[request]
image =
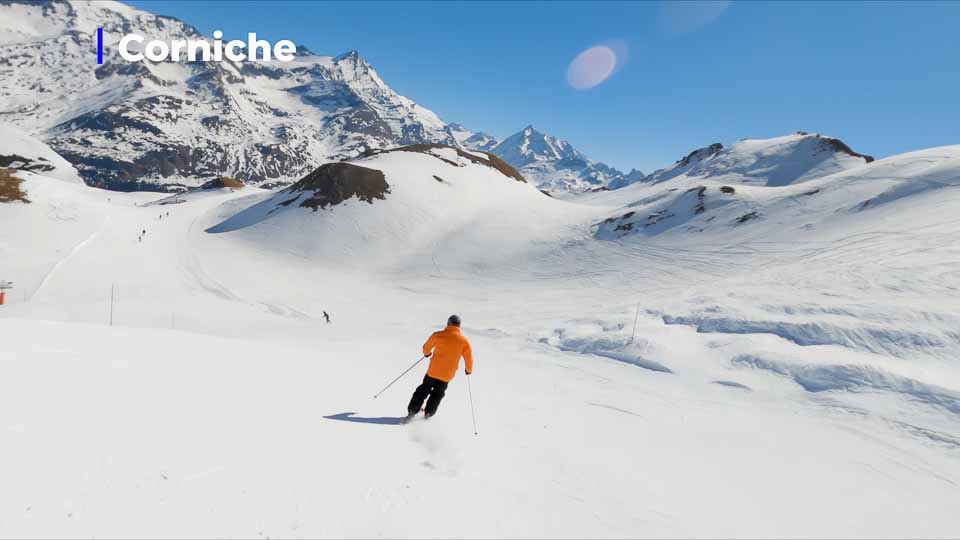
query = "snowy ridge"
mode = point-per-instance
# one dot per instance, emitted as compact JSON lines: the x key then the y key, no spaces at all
{"x":723,"y":202}
{"x":778,"y":161}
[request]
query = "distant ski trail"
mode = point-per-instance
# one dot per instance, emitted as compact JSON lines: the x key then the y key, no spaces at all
{"x":76,"y":249}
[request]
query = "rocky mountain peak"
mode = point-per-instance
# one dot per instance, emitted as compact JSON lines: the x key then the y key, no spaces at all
{"x":350,"y":56}
{"x":553,"y":164}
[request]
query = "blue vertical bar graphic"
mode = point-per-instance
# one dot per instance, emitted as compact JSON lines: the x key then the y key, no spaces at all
{"x":99,"y":45}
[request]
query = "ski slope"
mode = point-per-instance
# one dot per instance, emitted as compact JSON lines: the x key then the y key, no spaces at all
{"x":793,"y":375}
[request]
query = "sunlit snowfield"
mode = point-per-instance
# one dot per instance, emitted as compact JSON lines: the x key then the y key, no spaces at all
{"x":793,"y":374}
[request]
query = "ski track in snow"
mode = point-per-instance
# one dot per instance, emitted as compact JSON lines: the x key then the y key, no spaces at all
{"x":76,"y":249}
{"x":193,"y":270}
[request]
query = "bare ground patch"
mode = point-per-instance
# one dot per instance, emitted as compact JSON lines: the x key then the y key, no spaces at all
{"x":333,"y":183}
{"x":223,"y":182}
{"x":10,"y":188}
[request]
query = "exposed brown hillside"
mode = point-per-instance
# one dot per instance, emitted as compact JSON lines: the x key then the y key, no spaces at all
{"x":333,"y":183}
{"x":10,"y":190}
{"x":223,"y":182}
{"x":490,"y":160}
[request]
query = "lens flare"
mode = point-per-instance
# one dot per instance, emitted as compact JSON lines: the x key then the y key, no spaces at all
{"x":679,"y":17}
{"x":591,"y":67}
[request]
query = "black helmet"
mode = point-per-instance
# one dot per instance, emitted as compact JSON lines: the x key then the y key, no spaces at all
{"x":453,"y":321}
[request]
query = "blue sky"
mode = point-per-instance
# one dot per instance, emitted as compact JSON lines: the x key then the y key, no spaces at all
{"x":884,"y":77}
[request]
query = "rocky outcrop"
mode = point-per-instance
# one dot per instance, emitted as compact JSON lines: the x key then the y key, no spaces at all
{"x":334,"y":183}
{"x":487,"y":159}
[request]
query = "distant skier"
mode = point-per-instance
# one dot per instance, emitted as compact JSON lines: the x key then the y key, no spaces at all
{"x":326,"y":316}
{"x":446,"y":348}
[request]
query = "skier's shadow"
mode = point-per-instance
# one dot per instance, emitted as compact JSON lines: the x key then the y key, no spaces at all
{"x":382,"y":420}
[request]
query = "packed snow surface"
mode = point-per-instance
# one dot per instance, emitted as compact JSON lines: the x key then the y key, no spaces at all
{"x":790,"y":374}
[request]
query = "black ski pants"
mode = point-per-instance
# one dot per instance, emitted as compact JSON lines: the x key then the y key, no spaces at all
{"x":434,"y":388}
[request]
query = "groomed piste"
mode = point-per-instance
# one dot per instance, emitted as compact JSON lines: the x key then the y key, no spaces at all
{"x":712,"y":354}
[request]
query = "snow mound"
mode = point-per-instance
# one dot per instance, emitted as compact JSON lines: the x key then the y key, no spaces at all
{"x":606,"y":340}
{"x":873,"y":337}
{"x":22,"y":152}
{"x":779,"y":161}
{"x":334,"y":183}
{"x":912,"y":174}
{"x":854,"y":378}
{"x":669,"y":209}
{"x":424,"y":203}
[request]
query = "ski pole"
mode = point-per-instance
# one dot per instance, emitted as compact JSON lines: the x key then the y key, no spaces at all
{"x":472,"y":411}
{"x":398,"y":378}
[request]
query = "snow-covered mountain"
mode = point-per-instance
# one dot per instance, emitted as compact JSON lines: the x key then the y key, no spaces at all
{"x":470,"y":140}
{"x":635,"y":175}
{"x":166,"y":125}
{"x":553,"y":164}
{"x":127,"y":126}
{"x":778,"y":161}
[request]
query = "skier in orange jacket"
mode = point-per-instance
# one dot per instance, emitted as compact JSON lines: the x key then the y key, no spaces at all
{"x":446,"y":348}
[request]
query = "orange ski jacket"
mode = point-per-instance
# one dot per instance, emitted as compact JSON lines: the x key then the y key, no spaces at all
{"x":447,"y":346}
